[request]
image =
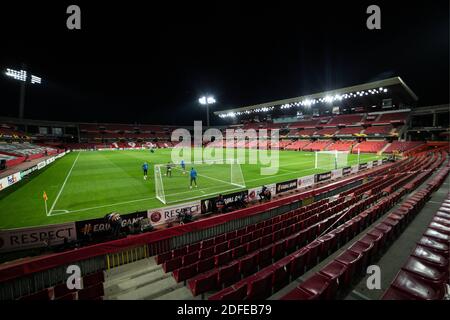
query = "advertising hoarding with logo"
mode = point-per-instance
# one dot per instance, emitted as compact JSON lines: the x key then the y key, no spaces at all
{"x":99,"y":229}
{"x":169,"y":214}
{"x":286,"y":186}
{"x":253,"y":194}
{"x":34,"y":237}
{"x":231,"y":200}
{"x":304,"y":182}
{"x":323,"y":176}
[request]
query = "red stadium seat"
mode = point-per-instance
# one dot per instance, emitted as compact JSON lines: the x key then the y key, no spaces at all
{"x":190,"y":258}
{"x":248,"y":265}
{"x":281,"y":273}
{"x":203,"y":283}
{"x":353,"y":262}
{"x":260,"y":288}
{"x":425,"y":254}
{"x":172,"y":264}
{"x":179,"y":252}
{"x":298,"y":262}
{"x":229,"y":274}
{"x":265,"y":257}
{"x":221,"y":247}
{"x":185,"y":273}
{"x":418,"y":288}
{"x":193,"y":247}
{"x":206,"y":253}
{"x":335,"y":272}
{"x":205,"y":264}
{"x":223,"y":258}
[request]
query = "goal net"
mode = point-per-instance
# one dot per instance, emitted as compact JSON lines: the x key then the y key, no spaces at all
{"x":330,"y":160}
{"x":175,"y":185}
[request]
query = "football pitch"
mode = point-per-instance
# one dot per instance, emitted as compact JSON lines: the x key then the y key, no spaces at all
{"x":88,"y":184}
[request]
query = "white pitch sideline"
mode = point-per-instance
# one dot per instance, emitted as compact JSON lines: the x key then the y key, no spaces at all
{"x":145,"y":199}
{"x":63,"y":185}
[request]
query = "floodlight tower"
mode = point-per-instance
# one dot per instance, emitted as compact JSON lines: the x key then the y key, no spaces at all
{"x":22,"y":76}
{"x":206,"y":101}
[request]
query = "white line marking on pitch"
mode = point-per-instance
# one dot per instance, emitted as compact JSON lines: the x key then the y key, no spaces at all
{"x":64,"y":184}
{"x":144,"y":199}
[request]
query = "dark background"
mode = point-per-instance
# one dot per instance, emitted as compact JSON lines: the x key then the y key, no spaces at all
{"x":139,"y":61}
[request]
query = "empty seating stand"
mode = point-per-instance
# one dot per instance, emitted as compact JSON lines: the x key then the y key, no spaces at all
{"x":425,"y":275}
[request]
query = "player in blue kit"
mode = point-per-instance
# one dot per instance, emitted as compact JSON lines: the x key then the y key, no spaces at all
{"x":193,"y":176}
{"x":183,"y":166}
{"x":145,"y":169}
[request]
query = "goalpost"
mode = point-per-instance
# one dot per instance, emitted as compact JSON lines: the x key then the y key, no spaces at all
{"x":330,"y":160}
{"x":212,"y":178}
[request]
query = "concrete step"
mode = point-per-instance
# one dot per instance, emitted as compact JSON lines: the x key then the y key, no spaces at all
{"x":182,"y":293}
{"x":131,"y":270}
{"x":125,"y":285}
{"x":149,"y":291}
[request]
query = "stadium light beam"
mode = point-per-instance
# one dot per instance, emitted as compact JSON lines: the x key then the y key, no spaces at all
{"x":22,"y":76}
{"x":207,"y":101}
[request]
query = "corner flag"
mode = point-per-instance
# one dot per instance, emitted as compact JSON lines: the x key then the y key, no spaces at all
{"x":45,"y":202}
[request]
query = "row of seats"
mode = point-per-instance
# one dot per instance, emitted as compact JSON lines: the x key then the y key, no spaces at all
{"x":338,"y":274}
{"x":402,"y":146}
{"x":340,"y":145}
{"x":346,"y":131}
{"x":24,"y":149}
{"x":298,"y":145}
{"x":317,"y":145}
{"x":369,"y":146}
{"x":92,"y":289}
{"x":272,"y":278}
{"x":229,"y":247}
{"x":347,"y":119}
{"x":425,"y":275}
{"x":378,"y":130}
{"x":294,"y":235}
{"x":315,"y":249}
{"x":261,"y":284}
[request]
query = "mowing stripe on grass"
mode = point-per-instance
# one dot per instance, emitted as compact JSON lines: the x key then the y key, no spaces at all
{"x":63,"y":185}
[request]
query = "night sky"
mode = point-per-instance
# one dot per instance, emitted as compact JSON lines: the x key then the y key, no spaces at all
{"x":150,"y":64}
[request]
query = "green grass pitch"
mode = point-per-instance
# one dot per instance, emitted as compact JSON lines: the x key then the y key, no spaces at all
{"x":89,"y":184}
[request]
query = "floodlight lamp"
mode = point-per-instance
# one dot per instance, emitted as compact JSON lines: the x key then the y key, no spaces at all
{"x":17,"y":75}
{"x":210,"y":100}
{"x":202,"y":100}
{"x":35,"y":79}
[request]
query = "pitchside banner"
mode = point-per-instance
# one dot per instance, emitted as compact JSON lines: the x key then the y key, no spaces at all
{"x":362,"y":166}
{"x":34,"y":237}
{"x":209,"y":205}
{"x":49,"y":160}
{"x":253,"y":194}
{"x":323,"y":176}
{"x":286,"y":186}
{"x":369,"y":164}
{"x":346,"y":170}
{"x":355,"y":168}
{"x":10,"y":180}
{"x":42,"y":164}
{"x":28,"y":171}
{"x":99,"y":229}
{"x":168,"y":214}
{"x":336,"y":174}
{"x":304,"y":182}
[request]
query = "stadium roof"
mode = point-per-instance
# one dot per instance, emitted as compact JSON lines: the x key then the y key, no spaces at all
{"x":396,"y":87}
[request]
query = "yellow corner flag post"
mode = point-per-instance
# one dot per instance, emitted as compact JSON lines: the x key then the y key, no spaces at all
{"x":45,"y":201}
